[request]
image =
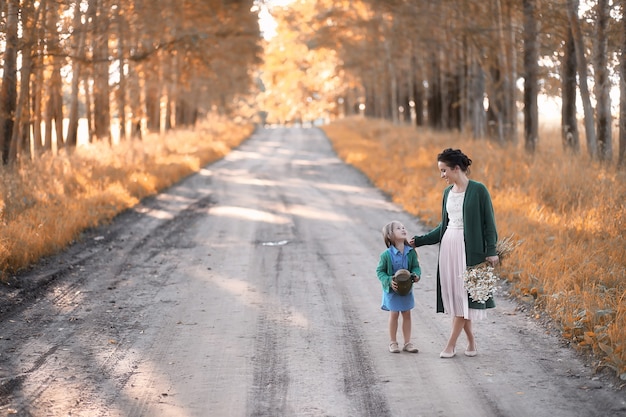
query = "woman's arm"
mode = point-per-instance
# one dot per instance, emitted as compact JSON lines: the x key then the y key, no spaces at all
{"x":429,"y":238}
{"x":489,"y":223}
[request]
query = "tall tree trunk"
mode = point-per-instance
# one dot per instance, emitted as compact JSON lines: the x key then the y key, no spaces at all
{"x":152,"y":93}
{"x":507,"y":102}
{"x":121,"y":91}
{"x":603,"y":84}
{"x":444,"y":99}
{"x":581,"y":61}
{"x":410,"y":79}
{"x":418,"y":91}
{"x":79,"y":47}
{"x":8,"y":92}
{"x":153,"y":104}
{"x":621,"y":153}
{"x":33,"y":18}
{"x":456,"y":101}
{"x":531,"y":88}
{"x":89,"y":110}
{"x":494,"y":110}
{"x":569,"y":121}
{"x":393,"y":95}
{"x":21,"y":133}
{"x":54,"y":61}
{"x":434,"y":94}
{"x":477,"y":81}
{"x":49,"y":72}
{"x":54,"y":106}
{"x":393,"y":82}
{"x":176,"y":86}
{"x":513,"y":77}
{"x":135,"y":95}
{"x":169,"y":76}
{"x":101,"y":90}
{"x":37,"y":89}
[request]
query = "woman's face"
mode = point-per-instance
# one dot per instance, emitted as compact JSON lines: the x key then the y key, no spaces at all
{"x":451,"y":175}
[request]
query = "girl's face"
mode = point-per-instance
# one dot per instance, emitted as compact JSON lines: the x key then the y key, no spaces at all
{"x":398,"y":232}
{"x":451,"y":175}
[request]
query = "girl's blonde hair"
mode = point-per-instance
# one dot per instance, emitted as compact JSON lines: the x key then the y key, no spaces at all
{"x":388,"y":232}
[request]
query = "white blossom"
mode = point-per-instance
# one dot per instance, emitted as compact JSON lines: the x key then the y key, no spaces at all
{"x":480,"y":282}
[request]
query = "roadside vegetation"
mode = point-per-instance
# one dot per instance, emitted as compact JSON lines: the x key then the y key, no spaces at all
{"x":46,"y":203}
{"x":568,"y":212}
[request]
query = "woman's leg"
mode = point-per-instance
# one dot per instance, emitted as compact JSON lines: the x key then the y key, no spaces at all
{"x":471,"y":342}
{"x":406,"y":326}
{"x":458,"y":324}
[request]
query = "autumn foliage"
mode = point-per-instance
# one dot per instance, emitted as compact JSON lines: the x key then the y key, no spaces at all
{"x":47,"y":204}
{"x":568,"y":213}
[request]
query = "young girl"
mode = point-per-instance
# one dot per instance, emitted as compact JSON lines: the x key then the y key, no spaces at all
{"x":398,"y":255}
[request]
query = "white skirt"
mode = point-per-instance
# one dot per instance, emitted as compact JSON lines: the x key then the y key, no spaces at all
{"x":452,"y":264}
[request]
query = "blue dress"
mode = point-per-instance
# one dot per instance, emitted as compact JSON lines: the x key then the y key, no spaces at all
{"x":392,"y":301}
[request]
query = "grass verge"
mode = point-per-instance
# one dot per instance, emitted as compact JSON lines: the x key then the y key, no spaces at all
{"x":46,"y":203}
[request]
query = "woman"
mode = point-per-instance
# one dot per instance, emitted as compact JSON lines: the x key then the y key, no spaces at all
{"x":467,"y":236}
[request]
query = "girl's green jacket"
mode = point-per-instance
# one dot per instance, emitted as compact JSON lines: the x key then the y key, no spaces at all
{"x":384,"y":270}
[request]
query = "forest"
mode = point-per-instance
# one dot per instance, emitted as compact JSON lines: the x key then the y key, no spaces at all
{"x":101,"y":97}
{"x":127,"y":68}
{"x":473,"y":66}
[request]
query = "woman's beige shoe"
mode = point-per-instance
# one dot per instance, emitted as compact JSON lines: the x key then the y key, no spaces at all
{"x":471,"y":353}
{"x":447,"y":355}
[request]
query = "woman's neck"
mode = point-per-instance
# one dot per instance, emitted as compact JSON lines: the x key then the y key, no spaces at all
{"x":461,"y":185}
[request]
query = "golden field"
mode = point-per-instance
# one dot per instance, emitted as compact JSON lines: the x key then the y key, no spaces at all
{"x":46,"y":203}
{"x":568,"y":213}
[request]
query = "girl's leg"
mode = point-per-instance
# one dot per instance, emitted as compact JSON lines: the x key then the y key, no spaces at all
{"x":393,"y":325}
{"x":458,"y":324}
{"x":406,"y":326}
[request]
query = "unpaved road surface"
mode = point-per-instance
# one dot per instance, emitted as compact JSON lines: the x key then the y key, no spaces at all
{"x":249,"y":289}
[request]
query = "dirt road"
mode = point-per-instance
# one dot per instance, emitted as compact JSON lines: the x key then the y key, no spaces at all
{"x":249,"y":289}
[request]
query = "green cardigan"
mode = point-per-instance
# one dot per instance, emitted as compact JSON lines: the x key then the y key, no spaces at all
{"x":384,"y":270}
{"x":479,"y":230}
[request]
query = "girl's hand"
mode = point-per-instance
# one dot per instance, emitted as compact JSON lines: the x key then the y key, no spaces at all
{"x":415,"y":277}
{"x":493,"y":260}
{"x":394,"y":285}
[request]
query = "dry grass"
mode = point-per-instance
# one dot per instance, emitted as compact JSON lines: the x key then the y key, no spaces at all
{"x":569,"y":213}
{"x":47,"y":203}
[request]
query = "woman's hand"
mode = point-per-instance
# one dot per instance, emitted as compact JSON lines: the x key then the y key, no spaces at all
{"x":493,"y":260}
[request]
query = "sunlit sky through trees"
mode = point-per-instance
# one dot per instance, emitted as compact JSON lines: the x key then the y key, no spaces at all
{"x":550,"y":105}
{"x":266,"y":21}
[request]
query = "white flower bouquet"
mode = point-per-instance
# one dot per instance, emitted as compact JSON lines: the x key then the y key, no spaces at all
{"x":480,"y":281}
